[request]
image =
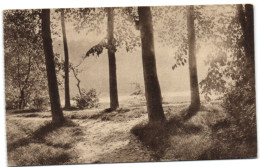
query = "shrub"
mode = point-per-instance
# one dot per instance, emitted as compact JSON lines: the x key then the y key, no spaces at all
{"x":39,"y":102}
{"x":240,"y":103}
{"x":87,"y":99}
{"x":11,"y":104}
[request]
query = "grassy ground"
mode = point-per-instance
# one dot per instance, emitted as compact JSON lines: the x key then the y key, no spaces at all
{"x":98,"y":136}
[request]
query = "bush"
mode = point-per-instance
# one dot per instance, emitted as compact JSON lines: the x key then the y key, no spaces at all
{"x":39,"y":102}
{"x":240,"y":103}
{"x":11,"y":104}
{"x":87,"y":99}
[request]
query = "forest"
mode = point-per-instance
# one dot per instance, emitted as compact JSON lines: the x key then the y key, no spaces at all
{"x":129,"y":84}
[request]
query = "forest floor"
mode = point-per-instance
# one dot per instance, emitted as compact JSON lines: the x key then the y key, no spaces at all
{"x":98,"y":136}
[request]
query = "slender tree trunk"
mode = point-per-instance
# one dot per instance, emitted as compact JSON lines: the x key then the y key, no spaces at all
{"x":19,"y":80}
{"x":66,"y":63}
{"x":112,"y":60}
{"x":152,"y":87}
{"x":78,"y":84}
{"x":57,"y":115}
{"x":21,"y":99}
{"x":195,"y":98}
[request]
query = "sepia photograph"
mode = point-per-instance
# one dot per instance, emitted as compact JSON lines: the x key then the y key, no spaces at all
{"x":101,"y":85}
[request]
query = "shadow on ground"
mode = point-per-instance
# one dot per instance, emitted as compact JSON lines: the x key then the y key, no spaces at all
{"x":156,"y":138}
{"x":44,"y":146}
{"x":39,"y":135}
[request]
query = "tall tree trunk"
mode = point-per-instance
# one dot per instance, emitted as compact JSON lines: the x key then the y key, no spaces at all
{"x":246,"y":19}
{"x":250,"y":43}
{"x":112,"y":60}
{"x":152,"y":87}
{"x":250,"y":30}
{"x":66,"y":63}
{"x":195,"y":98}
{"x":57,"y":115}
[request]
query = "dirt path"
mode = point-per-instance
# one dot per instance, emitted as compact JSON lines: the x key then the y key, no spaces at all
{"x":102,"y":137}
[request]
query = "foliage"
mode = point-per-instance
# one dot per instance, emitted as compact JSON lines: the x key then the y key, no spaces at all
{"x":39,"y":102}
{"x":88,"y":19}
{"x":231,"y":73}
{"x":98,"y":49}
{"x":11,"y":101}
{"x":240,"y":103}
{"x":124,"y":36}
{"x":25,"y":75}
{"x":172,"y":29}
{"x":87,"y":99}
{"x":214,"y":83}
{"x":229,"y":66}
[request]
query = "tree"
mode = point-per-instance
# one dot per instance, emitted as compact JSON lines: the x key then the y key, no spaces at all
{"x":234,"y":57}
{"x":246,"y":19}
{"x":24,"y":73}
{"x":57,"y":115}
{"x":66,"y":62}
{"x":195,"y":99}
{"x":118,"y":36}
{"x":112,"y":60}
{"x":152,"y":87}
{"x":181,"y":37}
{"x":233,"y":67}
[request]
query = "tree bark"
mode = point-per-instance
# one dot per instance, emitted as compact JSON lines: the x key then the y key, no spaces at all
{"x":57,"y":115}
{"x":195,"y":98}
{"x":152,"y":87}
{"x":21,"y":99}
{"x":112,"y":60}
{"x":249,"y":12}
{"x":66,"y":63}
{"x":247,"y":24}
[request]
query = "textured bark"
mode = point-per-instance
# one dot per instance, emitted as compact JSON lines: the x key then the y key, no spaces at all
{"x":57,"y":115}
{"x":246,"y":19}
{"x":249,"y":42}
{"x":152,"y":87}
{"x":112,"y":61}
{"x":66,"y":63}
{"x":250,"y":30}
{"x":195,"y":98}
